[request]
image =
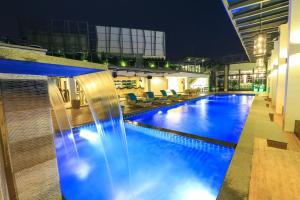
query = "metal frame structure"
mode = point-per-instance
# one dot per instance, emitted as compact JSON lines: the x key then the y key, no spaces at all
{"x":57,"y":36}
{"x":130,"y":42}
{"x":249,"y":17}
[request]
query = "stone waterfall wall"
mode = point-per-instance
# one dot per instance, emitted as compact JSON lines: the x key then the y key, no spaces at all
{"x":29,"y":137}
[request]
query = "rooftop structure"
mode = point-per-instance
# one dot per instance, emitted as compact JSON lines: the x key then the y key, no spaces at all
{"x":250,"y":17}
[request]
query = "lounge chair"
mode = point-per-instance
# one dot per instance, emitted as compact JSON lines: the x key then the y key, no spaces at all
{"x":172,"y":98}
{"x":156,"y":100}
{"x":179,"y":95}
{"x":133,"y":101}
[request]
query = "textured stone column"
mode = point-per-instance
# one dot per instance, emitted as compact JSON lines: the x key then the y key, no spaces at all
{"x":3,"y":186}
{"x":26,"y":132}
{"x":292,"y":97}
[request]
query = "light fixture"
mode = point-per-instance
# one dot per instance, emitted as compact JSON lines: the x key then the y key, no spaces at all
{"x":260,"y":41}
{"x":123,"y":63}
{"x":167,"y":65}
{"x":152,"y":65}
{"x":260,"y":62}
{"x":260,"y":45}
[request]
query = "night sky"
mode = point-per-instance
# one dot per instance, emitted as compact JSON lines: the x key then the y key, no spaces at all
{"x":193,"y":27}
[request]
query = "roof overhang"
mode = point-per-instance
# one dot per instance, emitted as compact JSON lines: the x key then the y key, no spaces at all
{"x":15,"y":59}
{"x":250,"y":17}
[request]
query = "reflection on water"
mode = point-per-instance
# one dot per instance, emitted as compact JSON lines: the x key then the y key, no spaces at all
{"x":160,"y":169}
{"x":220,"y":117}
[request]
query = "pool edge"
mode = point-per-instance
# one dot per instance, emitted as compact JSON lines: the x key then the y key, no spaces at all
{"x":236,"y":183}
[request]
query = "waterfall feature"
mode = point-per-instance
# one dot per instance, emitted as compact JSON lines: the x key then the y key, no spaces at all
{"x":62,"y":119}
{"x":104,"y":105}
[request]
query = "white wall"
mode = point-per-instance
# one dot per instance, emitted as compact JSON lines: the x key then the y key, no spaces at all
{"x":199,"y":83}
{"x":242,"y":66}
{"x":157,"y":84}
{"x":177,"y":84}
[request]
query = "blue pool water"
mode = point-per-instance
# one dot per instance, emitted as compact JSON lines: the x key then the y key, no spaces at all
{"x":220,"y":117}
{"x":163,"y":166}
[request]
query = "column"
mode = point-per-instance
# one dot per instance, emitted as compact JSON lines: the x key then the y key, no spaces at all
{"x":226,"y":72}
{"x":275,"y":73}
{"x":72,"y":85}
{"x":27,"y":139}
{"x":75,"y":102}
{"x":187,"y":85}
{"x":292,"y":97}
{"x":270,"y":79}
{"x":239,"y":79}
{"x":148,"y":83}
{"x":3,"y":185}
{"x":283,"y":40}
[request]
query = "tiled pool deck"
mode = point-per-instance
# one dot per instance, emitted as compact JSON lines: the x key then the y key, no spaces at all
{"x":246,"y":168}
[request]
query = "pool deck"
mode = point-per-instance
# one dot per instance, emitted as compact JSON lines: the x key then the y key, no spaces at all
{"x":83,"y":116}
{"x":275,"y":173}
{"x":257,"y":164}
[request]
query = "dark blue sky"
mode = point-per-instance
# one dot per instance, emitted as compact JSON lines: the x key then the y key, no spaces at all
{"x":193,"y":27}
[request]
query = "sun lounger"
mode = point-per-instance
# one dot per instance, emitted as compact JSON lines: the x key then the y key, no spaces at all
{"x":156,"y":100}
{"x":132,"y":100}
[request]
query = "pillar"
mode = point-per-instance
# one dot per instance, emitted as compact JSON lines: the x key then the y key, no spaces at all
{"x":239,"y":79}
{"x":269,"y":85}
{"x":187,"y":85}
{"x":75,"y":102}
{"x":292,"y":97}
{"x":281,"y":76}
{"x":275,"y":72}
{"x":270,"y":76}
{"x":3,"y":186}
{"x":148,"y":84}
{"x":226,"y":72}
{"x":72,"y":85}
{"x":274,"y":86}
{"x":27,"y":143}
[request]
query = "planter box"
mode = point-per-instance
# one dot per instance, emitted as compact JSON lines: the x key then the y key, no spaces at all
{"x":297,"y":128}
{"x":75,"y":104}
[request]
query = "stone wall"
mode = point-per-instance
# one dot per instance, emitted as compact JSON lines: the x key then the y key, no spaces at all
{"x":29,"y":137}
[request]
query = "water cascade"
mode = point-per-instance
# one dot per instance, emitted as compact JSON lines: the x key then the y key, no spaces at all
{"x":104,"y":105}
{"x":66,"y":136}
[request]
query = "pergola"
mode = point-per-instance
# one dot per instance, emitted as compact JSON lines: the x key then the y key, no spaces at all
{"x":250,"y":17}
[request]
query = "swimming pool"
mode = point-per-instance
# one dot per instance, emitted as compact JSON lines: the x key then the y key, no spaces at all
{"x":221,"y":117}
{"x":163,"y":166}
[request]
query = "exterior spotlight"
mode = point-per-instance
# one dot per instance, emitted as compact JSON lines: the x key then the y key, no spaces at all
{"x":167,"y":65}
{"x":152,"y":65}
{"x":123,"y":63}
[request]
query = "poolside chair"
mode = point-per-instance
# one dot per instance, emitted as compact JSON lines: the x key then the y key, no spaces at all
{"x":172,"y":98}
{"x":179,"y":95}
{"x":132,"y":100}
{"x":156,"y":100}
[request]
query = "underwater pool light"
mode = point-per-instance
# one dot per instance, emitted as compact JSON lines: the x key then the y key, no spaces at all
{"x":92,"y":137}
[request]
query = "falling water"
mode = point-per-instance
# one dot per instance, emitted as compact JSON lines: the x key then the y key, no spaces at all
{"x":62,"y":119}
{"x":104,"y":105}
